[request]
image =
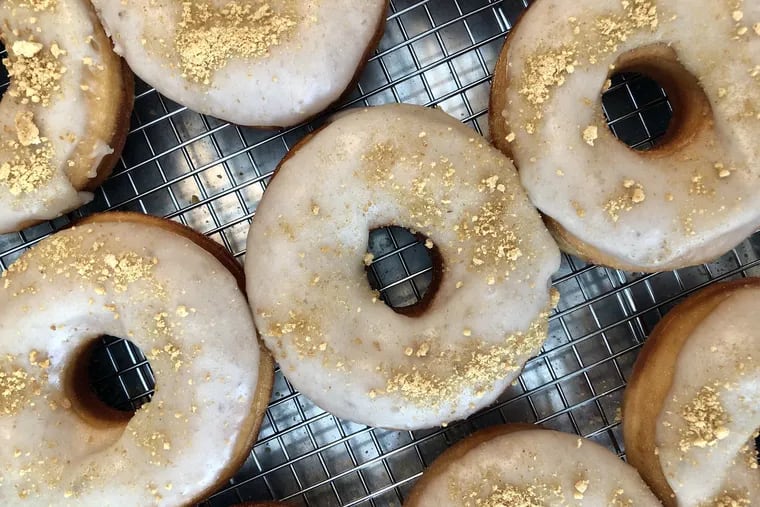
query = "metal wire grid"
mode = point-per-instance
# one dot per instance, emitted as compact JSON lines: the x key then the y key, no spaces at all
{"x":638,"y":111}
{"x":211,"y":175}
{"x":120,"y":374}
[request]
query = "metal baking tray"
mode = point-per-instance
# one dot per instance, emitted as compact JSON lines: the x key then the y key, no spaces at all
{"x":210,"y":175}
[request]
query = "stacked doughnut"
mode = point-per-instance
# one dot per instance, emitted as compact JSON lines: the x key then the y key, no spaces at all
{"x":522,"y":465}
{"x":64,"y":117}
{"x":66,"y":114}
{"x":336,"y":341}
{"x":250,"y":62}
{"x":692,"y":406}
{"x":177,"y":296}
{"x":694,"y":196}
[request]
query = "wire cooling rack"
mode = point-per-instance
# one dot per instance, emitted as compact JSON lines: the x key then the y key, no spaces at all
{"x":211,"y":175}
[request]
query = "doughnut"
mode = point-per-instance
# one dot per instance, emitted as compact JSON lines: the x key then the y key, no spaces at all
{"x":524,"y":465}
{"x":691,"y":198}
{"x":691,"y":411}
{"x":65,"y":115}
{"x":487,"y":309}
{"x":175,"y":294}
{"x":264,"y":63}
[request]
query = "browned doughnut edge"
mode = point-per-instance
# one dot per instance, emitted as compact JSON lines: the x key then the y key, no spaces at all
{"x":119,"y":131}
{"x":692,"y":115}
{"x":112,"y":119}
{"x":456,"y":452}
{"x":266,"y":363}
{"x":652,"y":379}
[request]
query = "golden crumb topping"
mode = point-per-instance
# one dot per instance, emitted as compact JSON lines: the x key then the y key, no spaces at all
{"x":631,"y":195}
{"x":446,"y":375}
{"x":35,"y":5}
{"x":156,"y":443}
{"x":20,"y":387}
{"x":492,"y":491}
{"x":35,"y":73}
{"x":730,"y":500}
{"x":26,"y":130}
{"x":379,"y":160}
{"x":706,"y":420}
{"x":546,"y":70}
{"x":433,"y":375}
{"x":304,"y":330}
{"x":208,"y":38}
{"x":698,"y":186}
{"x":591,"y":134}
{"x":548,"y":67}
{"x":750,"y":453}
{"x":30,"y":165}
{"x":489,"y":241}
{"x":527,"y":496}
{"x":496,"y":243}
{"x":63,"y":255}
{"x":619,"y":499}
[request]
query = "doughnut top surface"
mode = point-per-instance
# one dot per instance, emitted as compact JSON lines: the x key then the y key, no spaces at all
{"x":706,"y":431}
{"x":182,"y":308}
{"x":534,"y":467}
{"x":688,"y":200}
{"x":331,"y":334}
{"x":262,"y":63}
{"x":59,"y":87}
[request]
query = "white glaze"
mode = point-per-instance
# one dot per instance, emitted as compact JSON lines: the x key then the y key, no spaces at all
{"x":553,"y":463}
{"x":64,"y":122}
{"x":303,"y":75}
{"x":308,"y":240}
{"x":722,"y":350}
{"x":200,"y":407}
{"x":656,"y":232}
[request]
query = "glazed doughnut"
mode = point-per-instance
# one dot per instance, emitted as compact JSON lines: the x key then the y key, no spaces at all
{"x":691,"y":198}
{"x":177,"y":296}
{"x":265,"y":63}
{"x":486,"y":312}
{"x":65,"y":115}
{"x":692,"y":406}
{"x":523,"y":465}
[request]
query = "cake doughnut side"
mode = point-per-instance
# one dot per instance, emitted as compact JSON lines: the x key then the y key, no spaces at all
{"x":690,"y":415}
{"x":154,"y":282}
{"x":689,"y":199}
{"x":520,"y":464}
{"x":331,"y":334}
{"x":65,"y":116}
{"x":263,"y":64}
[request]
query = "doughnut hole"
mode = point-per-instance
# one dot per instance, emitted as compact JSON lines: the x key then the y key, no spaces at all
{"x":654,"y":104}
{"x":405,"y":271}
{"x":637,"y":110}
{"x":4,"y":78}
{"x":109,"y":380}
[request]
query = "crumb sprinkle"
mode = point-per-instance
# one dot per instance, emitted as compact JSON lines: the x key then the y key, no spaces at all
{"x":706,"y":420}
{"x":207,"y":37}
{"x":591,"y":134}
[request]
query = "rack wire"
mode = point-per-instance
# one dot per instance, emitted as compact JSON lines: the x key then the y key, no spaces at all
{"x":211,"y":175}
